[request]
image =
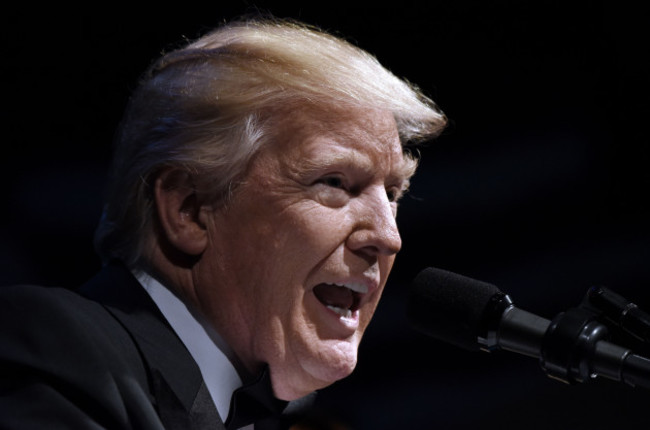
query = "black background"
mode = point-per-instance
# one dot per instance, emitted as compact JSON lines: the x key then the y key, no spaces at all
{"x":539,"y":185}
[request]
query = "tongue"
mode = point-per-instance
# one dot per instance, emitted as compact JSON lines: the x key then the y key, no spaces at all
{"x":332,"y":295}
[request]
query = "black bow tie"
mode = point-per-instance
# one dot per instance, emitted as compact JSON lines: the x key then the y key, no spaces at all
{"x":254,"y":402}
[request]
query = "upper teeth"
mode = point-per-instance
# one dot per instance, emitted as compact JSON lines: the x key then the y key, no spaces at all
{"x":356,"y":287}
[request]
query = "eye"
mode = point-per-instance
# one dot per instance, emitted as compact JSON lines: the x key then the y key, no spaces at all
{"x":332,"y":181}
{"x":393,"y":194}
{"x":332,"y":190}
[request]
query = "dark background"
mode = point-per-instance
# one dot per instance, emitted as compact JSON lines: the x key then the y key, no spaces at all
{"x":539,"y":185}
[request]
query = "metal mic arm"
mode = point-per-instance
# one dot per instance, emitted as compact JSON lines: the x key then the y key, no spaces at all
{"x":619,"y":311}
{"x":575,"y":349}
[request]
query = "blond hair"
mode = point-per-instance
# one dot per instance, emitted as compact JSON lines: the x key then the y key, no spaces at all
{"x":206,"y":108}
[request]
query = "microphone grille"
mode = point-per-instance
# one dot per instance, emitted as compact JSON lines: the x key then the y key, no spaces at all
{"x":449,"y":307}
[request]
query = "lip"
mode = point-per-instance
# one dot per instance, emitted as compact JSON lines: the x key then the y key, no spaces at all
{"x":343,"y":325}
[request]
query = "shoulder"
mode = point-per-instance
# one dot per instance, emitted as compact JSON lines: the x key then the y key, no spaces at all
{"x":58,"y":345}
{"x":31,"y":312}
{"x":58,"y":324}
{"x":38,"y":311}
{"x":22,"y":301}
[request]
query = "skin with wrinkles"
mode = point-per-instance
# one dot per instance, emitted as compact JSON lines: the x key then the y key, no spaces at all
{"x":318,"y":205}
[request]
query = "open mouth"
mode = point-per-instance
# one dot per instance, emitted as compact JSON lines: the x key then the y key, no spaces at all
{"x":344,"y":299}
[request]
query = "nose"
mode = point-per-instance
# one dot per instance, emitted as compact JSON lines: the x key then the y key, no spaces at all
{"x":375,"y":231}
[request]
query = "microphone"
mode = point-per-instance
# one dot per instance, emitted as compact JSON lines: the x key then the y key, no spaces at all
{"x":475,"y":315}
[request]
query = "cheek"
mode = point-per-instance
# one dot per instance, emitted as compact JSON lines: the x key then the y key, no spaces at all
{"x":321,"y":226}
{"x":385,"y":266}
{"x":302,"y":239}
{"x":368,"y":312}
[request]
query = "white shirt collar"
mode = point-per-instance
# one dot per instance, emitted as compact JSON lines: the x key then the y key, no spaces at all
{"x":204,"y":344}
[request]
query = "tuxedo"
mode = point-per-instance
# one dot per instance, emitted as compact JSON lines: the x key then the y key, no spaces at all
{"x":100,"y":357}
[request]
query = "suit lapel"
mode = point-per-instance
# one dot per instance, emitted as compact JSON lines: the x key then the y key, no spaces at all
{"x":176,"y":385}
{"x":201,"y":415}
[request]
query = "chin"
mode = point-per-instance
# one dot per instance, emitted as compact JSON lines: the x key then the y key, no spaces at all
{"x":335,"y":361}
{"x":315,"y":371}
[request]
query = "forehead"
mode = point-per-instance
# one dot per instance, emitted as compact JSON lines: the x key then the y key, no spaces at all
{"x":364,"y":137}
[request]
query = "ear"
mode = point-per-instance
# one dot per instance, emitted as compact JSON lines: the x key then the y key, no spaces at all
{"x":179,"y":211}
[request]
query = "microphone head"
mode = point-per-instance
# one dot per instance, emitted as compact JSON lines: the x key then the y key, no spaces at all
{"x":451,"y":307}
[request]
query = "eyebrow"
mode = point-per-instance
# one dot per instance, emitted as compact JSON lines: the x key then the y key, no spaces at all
{"x":407,"y":168}
{"x":344,"y":157}
{"x":349,"y":157}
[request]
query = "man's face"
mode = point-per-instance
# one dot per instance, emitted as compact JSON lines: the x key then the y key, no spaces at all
{"x":298,"y":259}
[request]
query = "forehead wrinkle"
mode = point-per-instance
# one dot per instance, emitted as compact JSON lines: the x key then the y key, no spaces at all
{"x":361,"y":141}
{"x":402,"y":165}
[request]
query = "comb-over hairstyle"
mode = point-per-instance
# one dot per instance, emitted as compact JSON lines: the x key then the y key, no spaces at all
{"x":207,"y":108}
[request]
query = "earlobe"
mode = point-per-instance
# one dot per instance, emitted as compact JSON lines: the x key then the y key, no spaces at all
{"x":179,"y":212}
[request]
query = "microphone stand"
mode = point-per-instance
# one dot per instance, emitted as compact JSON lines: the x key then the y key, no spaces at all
{"x":575,"y":347}
{"x":619,"y":311}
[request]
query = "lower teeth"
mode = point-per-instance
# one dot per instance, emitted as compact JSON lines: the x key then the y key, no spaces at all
{"x":347,"y":313}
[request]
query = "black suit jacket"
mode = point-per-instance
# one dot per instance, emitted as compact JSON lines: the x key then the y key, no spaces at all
{"x":103,"y":357}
